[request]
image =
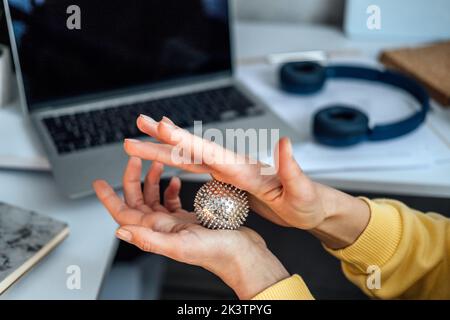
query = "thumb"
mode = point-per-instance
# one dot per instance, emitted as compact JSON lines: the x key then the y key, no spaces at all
{"x":166,"y":244}
{"x":289,"y":172}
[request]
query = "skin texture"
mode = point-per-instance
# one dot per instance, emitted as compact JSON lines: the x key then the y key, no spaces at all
{"x":287,"y":197}
{"x":169,"y":230}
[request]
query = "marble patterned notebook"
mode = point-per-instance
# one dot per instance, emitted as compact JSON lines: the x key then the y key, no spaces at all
{"x":25,"y":238}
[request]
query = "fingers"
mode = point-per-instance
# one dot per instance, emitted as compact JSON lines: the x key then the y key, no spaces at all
{"x":149,"y":126}
{"x":132,"y":183}
{"x":225,"y":165}
{"x":151,"y":186}
{"x":115,"y":206}
{"x":289,"y":172}
{"x":146,"y":239}
{"x":161,"y":153}
{"x":203,"y":156}
{"x":167,"y":120}
{"x":172,"y":200}
{"x":201,"y":151}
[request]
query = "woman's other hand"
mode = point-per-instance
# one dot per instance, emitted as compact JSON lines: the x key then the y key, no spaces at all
{"x":240,"y":258}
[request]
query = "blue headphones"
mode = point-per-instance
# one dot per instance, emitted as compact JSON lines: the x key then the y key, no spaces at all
{"x":342,"y":125}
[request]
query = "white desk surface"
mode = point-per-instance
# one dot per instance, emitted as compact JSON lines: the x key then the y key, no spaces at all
{"x":91,"y":244}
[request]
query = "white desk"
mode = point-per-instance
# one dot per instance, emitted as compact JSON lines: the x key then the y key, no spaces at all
{"x":91,"y":244}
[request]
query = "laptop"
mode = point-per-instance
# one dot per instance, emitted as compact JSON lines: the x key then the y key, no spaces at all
{"x":83,"y":87}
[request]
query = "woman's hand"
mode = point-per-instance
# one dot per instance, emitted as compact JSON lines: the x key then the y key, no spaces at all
{"x":287,"y":197}
{"x":240,"y":258}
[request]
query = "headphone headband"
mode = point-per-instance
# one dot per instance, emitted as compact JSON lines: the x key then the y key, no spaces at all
{"x":310,"y":77}
{"x":395,"y":79}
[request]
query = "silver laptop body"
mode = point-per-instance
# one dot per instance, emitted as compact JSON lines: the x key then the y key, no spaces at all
{"x":74,"y":170}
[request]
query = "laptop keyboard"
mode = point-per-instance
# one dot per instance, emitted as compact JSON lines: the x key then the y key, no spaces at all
{"x":89,"y":129}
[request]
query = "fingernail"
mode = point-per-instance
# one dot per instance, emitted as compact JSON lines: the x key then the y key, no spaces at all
{"x":124,"y":235}
{"x":132,"y":140}
{"x":168,"y":124}
{"x":167,"y":120}
{"x":147,"y":119}
{"x":96,"y":182}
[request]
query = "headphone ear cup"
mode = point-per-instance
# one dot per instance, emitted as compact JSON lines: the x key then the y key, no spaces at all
{"x":302,"y":77}
{"x":340,"y":125}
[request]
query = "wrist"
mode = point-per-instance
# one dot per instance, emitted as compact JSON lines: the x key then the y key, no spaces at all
{"x":346,"y":218}
{"x":258,"y":270}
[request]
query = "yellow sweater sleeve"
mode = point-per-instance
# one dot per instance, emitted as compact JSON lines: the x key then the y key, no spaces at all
{"x":293,"y":288}
{"x":407,"y":249}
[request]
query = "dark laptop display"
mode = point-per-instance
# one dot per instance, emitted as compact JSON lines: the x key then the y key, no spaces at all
{"x":122,"y":45}
{"x":85,"y":87}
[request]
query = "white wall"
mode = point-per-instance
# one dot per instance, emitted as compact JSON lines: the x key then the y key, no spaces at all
{"x":317,"y":11}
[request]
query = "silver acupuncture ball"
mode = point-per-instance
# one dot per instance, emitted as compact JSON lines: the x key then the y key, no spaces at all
{"x":220,"y":205}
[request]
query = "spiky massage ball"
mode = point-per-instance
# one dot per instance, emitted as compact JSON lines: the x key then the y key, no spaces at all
{"x":221,"y":205}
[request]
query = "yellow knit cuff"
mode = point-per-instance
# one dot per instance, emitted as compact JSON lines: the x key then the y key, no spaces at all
{"x":377,"y":244}
{"x":292,"y":288}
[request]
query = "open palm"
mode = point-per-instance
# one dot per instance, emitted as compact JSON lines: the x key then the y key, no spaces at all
{"x":169,"y":230}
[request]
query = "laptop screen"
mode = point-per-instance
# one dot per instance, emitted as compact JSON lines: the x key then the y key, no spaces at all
{"x":99,"y":47}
